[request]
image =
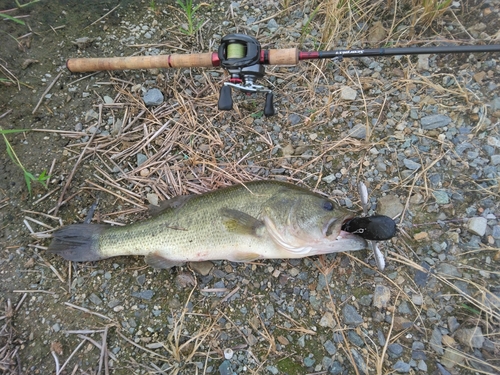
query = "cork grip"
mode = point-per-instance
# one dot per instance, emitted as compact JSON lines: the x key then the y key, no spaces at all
{"x":288,"y":56}
{"x":80,"y":65}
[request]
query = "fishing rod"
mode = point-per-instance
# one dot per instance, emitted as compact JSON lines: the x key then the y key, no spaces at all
{"x":244,"y":59}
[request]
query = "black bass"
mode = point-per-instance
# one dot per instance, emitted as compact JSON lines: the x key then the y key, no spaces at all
{"x":256,"y":220}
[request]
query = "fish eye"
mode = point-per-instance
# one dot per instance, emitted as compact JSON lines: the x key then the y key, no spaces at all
{"x":327,"y":205}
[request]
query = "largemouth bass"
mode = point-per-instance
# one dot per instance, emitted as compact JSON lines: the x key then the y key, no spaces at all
{"x":257,"y":220}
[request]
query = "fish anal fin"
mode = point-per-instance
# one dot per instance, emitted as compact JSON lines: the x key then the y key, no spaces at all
{"x":240,"y":222}
{"x":245,"y":257}
{"x":155,"y":260}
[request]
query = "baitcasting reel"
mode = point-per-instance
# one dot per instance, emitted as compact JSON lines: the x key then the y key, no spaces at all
{"x":240,"y":55}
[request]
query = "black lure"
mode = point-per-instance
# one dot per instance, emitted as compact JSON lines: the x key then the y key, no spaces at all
{"x":374,"y":228}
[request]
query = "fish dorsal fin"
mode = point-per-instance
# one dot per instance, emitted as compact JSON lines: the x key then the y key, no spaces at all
{"x":172,"y":203}
{"x":240,"y":222}
{"x":281,"y":241}
{"x":155,"y":260}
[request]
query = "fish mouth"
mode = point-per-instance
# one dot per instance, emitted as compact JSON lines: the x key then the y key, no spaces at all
{"x":329,"y":227}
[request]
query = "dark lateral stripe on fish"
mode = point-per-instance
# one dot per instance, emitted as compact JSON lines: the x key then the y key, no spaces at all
{"x":78,"y":242}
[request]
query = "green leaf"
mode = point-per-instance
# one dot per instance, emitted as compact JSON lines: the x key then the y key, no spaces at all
{"x":6,"y":16}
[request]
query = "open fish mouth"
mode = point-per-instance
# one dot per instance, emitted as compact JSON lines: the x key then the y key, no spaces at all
{"x":330,"y":226}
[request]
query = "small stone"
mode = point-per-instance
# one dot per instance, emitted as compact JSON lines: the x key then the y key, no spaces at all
{"x":421,"y":236}
{"x":327,"y":320}
{"x":202,"y":268}
{"x":329,"y":179}
{"x":441,"y":197}
{"x":153,"y":97}
{"x":448,"y":269}
{"x":422,"y":366}
{"x":95,"y":299}
{"x":358,"y":131}
{"x":434,"y":121}
{"x":417,"y":299}
{"x":145,"y":294}
{"x":410,"y":164}
{"x":330,"y":347}
{"x":472,"y":337}
{"x":108,"y":99}
{"x":477,"y":225}
{"x":436,"y":341}
{"x":141,"y":158}
{"x":185,"y":279}
{"x":452,"y":357}
{"x":347,"y":93}
{"x":381,"y":296}
{"x":288,"y":150}
{"x":152,"y":199}
{"x":395,"y":350}
{"x":309,"y":361}
{"x":401,"y":366}
{"x":351,"y":315}
{"x":389,"y":205}
{"x":423,"y":62}
{"x":56,"y":327}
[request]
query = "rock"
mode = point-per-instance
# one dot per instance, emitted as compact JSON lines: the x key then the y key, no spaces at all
{"x":401,"y":366}
{"x":327,"y":320}
{"x":108,"y":99}
{"x":441,"y":197}
{"x":417,"y":299}
{"x":185,"y":279}
{"x":423,"y":62}
{"x":141,"y":158}
{"x":359,"y":361}
{"x":358,"y":131}
{"x":410,"y":164}
{"x":377,"y":33}
{"x":395,"y":350}
{"x":153,"y":97}
{"x":401,"y":323}
{"x":477,"y":225}
{"x":330,"y":347}
{"x":272,"y":25}
{"x":448,"y":269}
{"x":452,"y":357}
{"x":435,"y":341}
{"x":347,"y":93}
{"x":351,"y":315}
{"x":389,"y":205}
{"x":434,"y":121}
{"x":201,"y":268}
{"x":145,"y":294}
{"x":288,"y":150}
{"x":472,"y":337}
{"x":381,"y":296}
{"x":95,"y":299}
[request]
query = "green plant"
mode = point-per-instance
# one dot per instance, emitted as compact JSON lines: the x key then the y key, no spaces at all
{"x":152,"y":5}
{"x":6,"y":16}
{"x":28,"y":176}
{"x":189,"y":11}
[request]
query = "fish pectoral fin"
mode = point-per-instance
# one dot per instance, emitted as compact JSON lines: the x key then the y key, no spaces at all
{"x":240,"y":222}
{"x":155,"y":260}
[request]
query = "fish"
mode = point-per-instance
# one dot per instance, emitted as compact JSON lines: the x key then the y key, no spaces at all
{"x":242,"y":223}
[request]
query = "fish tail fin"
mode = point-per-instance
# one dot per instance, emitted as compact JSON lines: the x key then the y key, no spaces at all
{"x":78,"y":242}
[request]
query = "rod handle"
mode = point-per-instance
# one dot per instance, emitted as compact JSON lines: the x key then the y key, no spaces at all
{"x":202,"y":60}
{"x":286,"y":56}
